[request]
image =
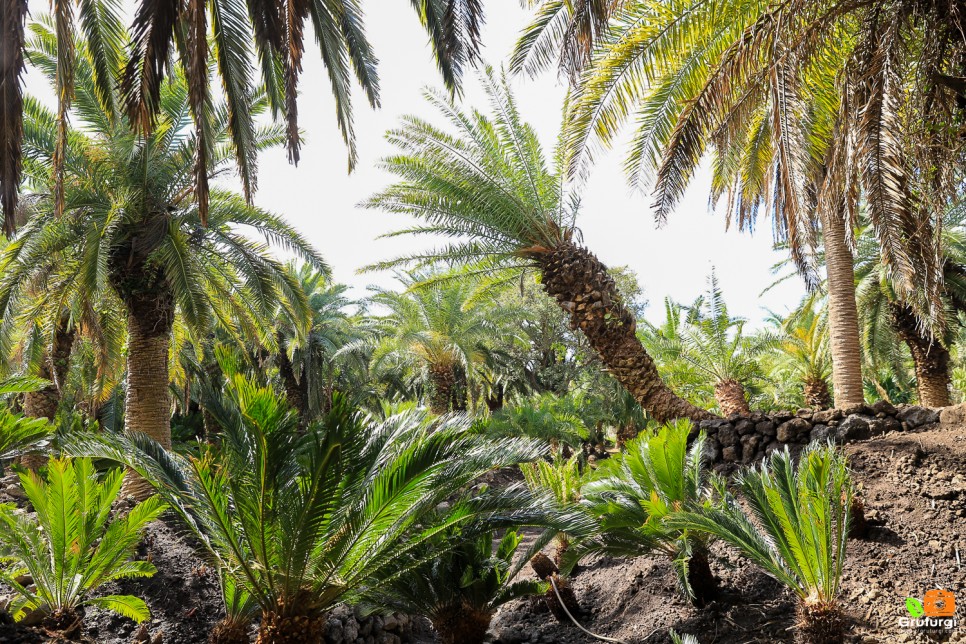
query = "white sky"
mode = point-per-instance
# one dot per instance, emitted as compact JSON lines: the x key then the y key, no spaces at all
{"x":320,"y":199}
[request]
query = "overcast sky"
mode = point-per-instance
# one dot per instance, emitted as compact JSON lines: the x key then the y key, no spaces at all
{"x":320,"y":198}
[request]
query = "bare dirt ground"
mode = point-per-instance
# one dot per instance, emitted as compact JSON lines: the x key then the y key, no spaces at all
{"x":914,"y":489}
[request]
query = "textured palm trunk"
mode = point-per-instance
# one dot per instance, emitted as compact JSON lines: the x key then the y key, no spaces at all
{"x":730,"y":395}
{"x":930,"y":357}
{"x":702,"y":581}
{"x":229,"y":631}
{"x":290,"y":629}
{"x":147,"y":404}
{"x":820,"y":623}
{"x":295,"y":392}
{"x":442,"y":381}
{"x":816,"y":393}
{"x":461,"y":624}
{"x":587,"y":293}
{"x":44,"y":403}
{"x":843,"y":315}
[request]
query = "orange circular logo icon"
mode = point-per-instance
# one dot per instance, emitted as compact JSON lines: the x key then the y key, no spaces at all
{"x":939,"y":603}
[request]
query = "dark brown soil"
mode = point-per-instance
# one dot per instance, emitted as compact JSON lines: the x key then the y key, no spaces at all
{"x":914,"y":491}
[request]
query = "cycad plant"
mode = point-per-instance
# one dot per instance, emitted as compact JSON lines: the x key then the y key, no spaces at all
{"x":299,"y":521}
{"x":20,"y":434}
{"x":633,"y":493}
{"x":460,"y":577}
{"x":562,"y":478}
{"x":797,"y":530}
{"x":546,"y":417}
{"x":702,"y":345}
{"x":485,"y":183}
{"x":73,"y":544}
{"x":802,"y":355}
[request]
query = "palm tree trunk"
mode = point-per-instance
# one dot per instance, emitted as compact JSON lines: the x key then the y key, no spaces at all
{"x":442,"y":380}
{"x":295,"y":392}
{"x":816,"y":393}
{"x":930,"y":357}
{"x":587,"y":293}
{"x":820,"y":623}
{"x":44,"y":403}
{"x":461,"y":624}
{"x":290,"y":629}
{"x":703,"y":583}
{"x":147,"y":404}
{"x":843,"y":315}
{"x":730,"y":395}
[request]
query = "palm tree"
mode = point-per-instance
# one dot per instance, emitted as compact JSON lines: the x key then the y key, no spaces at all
{"x":133,"y":228}
{"x":703,"y":343}
{"x":243,"y":36}
{"x":439,"y":331}
{"x":565,"y":31}
{"x":486,"y":184}
{"x":312,"y":363}
{"x":802,"y":353}
{"x":887,"y":315}
{"x":805,"y":105}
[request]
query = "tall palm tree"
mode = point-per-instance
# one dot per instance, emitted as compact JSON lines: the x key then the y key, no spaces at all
{"x":248,"y":43}
{"x":312,"y":363}
{"x":886,"y":315}
{"x":133,"y":228}
{"x":439,"y":331}
{"x":487,"y":185}
{"x":805,"y":105}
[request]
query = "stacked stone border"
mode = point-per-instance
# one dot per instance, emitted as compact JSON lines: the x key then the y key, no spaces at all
{"x":746,"y":439}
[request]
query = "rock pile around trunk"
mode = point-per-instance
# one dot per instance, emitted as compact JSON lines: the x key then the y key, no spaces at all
{"x":746,"y":439}
{"x":346,"y":627}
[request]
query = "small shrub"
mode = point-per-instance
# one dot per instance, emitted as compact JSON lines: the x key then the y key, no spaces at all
{"x":72,"y":545}
{"x":562,"y":479}
{"x":798,"y":534}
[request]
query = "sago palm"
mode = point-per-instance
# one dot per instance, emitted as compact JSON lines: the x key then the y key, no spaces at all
{"x":547,"y":417}
{"x":73,"y":545}
{"x":438,"y":331}
{"x":797,"y":531}
{"x":132,"y":230}
{"x":802,"y":351}
{"x":302,"y":520}
{"x":483,"y":181}
{"x":703,"y":345}
{"x":462,"y":575}
{"x":633,"y":493}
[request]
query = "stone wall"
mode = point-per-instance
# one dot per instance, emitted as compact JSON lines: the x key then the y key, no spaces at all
{"x":346,"y":627}
{"x":747,"y":439}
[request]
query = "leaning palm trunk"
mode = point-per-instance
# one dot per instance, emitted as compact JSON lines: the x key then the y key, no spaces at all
{"x":730,"y":395}
{"x":587,"y":293}
{"x":44,"y":403}
{"x":147,"y":404}
{"x":843,"y":315}
{"x":277,"y":628}
{"x":930,"y":357}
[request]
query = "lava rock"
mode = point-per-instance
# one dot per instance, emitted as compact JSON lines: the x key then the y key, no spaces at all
{"x":744,"y":426}
{"x":853,"y":428}
{"x":727,"y":436}
{"x":916,"y":416}
{"x":792,"y":430}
